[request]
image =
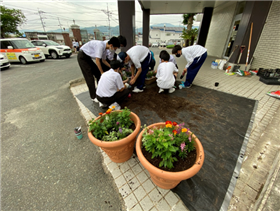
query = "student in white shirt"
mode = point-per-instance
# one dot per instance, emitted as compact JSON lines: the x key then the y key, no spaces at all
{"x":111,"y":89}
{"x":138,"y":57}
{"x":171,"y":59}
{"x":110,"y":56}
{"x":195,"y":56}
{"x":96,"y":50}
{"x":166,"y":73}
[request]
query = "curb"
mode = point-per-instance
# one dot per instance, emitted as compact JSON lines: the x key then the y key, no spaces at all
{"x":77,"y":82}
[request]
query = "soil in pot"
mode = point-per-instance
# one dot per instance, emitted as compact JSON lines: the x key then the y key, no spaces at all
{"x":180,"y":165}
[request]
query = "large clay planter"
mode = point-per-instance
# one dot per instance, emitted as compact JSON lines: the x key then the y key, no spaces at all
{"x":121,"y":150}
{"x":166,"y":179}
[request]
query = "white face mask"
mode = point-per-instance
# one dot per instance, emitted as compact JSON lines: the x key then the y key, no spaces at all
{"x":111,"y":50}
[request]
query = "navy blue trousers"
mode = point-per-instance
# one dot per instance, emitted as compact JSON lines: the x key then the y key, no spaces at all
{"x":145,"y":68}
{"x":194,"y":68}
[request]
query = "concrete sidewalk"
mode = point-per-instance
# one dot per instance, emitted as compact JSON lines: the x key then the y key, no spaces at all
{"x":134,"y":183}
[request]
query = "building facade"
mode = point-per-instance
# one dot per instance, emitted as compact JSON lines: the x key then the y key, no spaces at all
{"x":165,"y":34}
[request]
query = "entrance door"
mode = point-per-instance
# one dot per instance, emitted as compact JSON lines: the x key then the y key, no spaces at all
{"x":232,"y":36}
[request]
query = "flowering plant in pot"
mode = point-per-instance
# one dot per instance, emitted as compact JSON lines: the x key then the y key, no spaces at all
{"x":167,"y":143}
{"x":115,"y":132}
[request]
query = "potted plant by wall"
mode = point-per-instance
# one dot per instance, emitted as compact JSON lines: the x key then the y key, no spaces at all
{"x":170,"y":153}
{"x":150,"y":77}
{"x":115,"y":132}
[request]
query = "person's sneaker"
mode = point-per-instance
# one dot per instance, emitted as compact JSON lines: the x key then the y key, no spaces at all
{"x":171,"y":90}
{"x":95,"y":100}
{"x":136,"y":90}
{"x":101,"y":105}
{"x":117,"y":106}
{"x":160,"y":90}
{"x":189,"y":86}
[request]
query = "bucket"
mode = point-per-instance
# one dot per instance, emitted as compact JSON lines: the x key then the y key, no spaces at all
{"x":78,"y":132}
{"x":214,"y":65}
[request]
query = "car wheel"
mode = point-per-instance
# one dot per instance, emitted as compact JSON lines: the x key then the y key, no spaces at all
{"x":54,"y":55}
{"x":22,"y":60}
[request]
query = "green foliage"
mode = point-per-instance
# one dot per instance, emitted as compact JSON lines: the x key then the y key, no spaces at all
{"x":112,"y":126}
{"x":189,"y":34}
{"x":10,"y":20}
{"x":151,"y":74}
{"x":170,"y":46}
{"x":167,"y":142}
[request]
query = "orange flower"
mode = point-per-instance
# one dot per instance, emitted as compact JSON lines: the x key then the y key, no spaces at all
{"x":168,"y":125}
{"x":100,"y":114}
{"x":184,"y":130}
{"x":108,"y":111}
{"x":174,"y":123}
{"x":168,"y":122}
{"x":174,"y":132}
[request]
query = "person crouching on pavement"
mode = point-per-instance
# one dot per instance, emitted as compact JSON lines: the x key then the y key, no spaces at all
{"x":138,"y":57}
{"x":166,"y":73}
{"x":111,"y":89}
{"x":195,"y":56}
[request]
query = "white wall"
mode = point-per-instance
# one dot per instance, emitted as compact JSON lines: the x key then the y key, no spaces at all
{"x":220,"y":28}
{"x":161,"y":36}
{"x":267,"y":51}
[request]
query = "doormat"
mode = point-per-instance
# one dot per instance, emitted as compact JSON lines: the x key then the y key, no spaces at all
{"x":222,"y":122}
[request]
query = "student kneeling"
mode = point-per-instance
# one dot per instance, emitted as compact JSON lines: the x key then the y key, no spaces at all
{"x":166,"y":73}
{"x":111,"y":89}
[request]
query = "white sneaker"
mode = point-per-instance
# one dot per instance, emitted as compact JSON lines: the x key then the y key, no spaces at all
{"x":160,"y":90}
{"x":171,"y":90}
{"x":117,"y":106}
{"x":136,"y":90}
{"x":101,"y":105}
{"x":95,"y":100}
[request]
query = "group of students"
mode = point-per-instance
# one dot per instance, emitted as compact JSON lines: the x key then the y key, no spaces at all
{"x":111,"y":89}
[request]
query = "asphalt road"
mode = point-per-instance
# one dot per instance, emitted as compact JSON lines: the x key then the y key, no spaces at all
{"x":43,"y":165}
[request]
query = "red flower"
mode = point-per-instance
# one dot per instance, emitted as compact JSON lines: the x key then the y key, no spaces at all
{"x":100,"y":114}
{"x":174,"y":132}
{"x":108,"y":112}
{"x":168,"y":122}
{"x":174,"y":123}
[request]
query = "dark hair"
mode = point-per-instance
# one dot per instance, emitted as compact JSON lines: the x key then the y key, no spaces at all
{"x":115,"y":64}
{"x":114,"y":41}
{"x":165,"y":56}
{"x":122,"y":40}
{"x":163,"y":51}
{"x":176,"y":48}
{"x":122,"y":56}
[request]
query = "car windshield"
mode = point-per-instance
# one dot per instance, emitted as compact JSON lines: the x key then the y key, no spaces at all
{"x":52,"y":43}
{"x":23,"y":44}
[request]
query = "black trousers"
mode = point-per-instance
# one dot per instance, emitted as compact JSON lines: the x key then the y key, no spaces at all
{"x":90,"y":72}
{"x":104,"y":66}
{"x":118,"y":97}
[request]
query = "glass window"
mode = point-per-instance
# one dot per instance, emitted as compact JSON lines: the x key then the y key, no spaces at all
{"x":51,"y":43}
{"x":40,"y":43}
{"x":22,"y":44}
{"x":5,"y":44}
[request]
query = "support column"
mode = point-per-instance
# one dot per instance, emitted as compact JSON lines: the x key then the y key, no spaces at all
{"x":204,"y":26}
{"x":254,"y":12}
{"x":127,"y":22}
{"x":67,"y":40}
{"x":146,"y":27}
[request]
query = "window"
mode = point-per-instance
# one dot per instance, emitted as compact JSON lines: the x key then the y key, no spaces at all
{"x":156,"y":34}
{"x":5,"y":44}
{"x":168,"y":34}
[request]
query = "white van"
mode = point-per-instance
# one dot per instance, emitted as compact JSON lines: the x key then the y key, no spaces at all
{"x":21,"y":50}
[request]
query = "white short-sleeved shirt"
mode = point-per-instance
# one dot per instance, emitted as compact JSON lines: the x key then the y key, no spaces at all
{"x":165,"y":77}
{"x":191,"y":52}
{"x":171,"y":59}
{"x":95,"y":49}
{"x":109,"y":83}
{"x":138,"y":54}
{"x":109,"y":54}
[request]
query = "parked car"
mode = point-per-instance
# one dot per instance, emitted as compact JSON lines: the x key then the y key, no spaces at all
{"x":5,"y":64}
{"x":155,"y":44}
{"x":53,"y":49}
{"x":162,"y":44}
{"x":21,"y":50}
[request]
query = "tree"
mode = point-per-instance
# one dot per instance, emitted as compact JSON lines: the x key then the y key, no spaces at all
{"x":10,"y":20}
{"x":189,"y":33}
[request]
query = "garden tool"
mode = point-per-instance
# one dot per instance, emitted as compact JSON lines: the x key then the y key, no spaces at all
{"x":226,"y":64}
{"x":249,"y":46}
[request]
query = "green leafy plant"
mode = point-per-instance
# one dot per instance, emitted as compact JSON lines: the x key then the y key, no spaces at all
{"x":168,"y":142}
{"x":128,"y":72}
{"x":170,"y":46}
{"x":112,"y":126}
{"x":151,"y":74}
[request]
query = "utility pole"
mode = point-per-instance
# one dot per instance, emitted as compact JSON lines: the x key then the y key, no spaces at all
{"x":39,"y":11}
{"x":108,"y":13}
{"x":59,"y":25}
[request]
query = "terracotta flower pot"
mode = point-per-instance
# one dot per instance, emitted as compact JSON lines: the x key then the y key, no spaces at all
{"x":150,"y":80}
{"x":166,"y":179}
{"x":121,"y":150}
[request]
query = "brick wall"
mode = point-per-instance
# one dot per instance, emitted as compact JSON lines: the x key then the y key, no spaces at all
{"x":268,"y":49}
{"x":220,"y":28}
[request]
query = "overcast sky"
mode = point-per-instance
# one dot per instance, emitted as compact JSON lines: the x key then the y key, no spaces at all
{"x":86,"y":13}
